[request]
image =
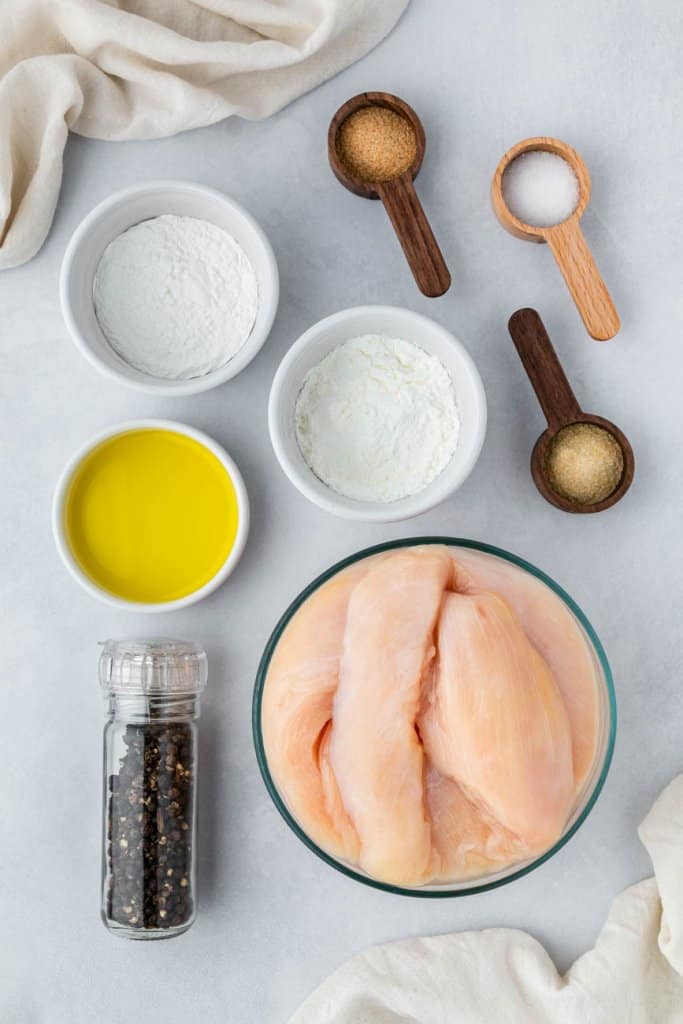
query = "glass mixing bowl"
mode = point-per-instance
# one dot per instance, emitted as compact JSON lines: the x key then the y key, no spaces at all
{"x":586,"y":798}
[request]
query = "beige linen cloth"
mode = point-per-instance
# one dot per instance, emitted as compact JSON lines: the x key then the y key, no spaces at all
{"x":633,"y":975}
{"x":142,"y":69}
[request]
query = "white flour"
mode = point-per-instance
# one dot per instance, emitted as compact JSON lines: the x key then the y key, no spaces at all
{"x":176,"y":297}
{"x":376,"y":419}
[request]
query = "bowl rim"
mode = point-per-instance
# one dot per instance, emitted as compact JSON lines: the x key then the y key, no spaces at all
{"x":147,"y":384}
{"x":262,"y":672}
{"x":62,"y":487}
{"x":403,"y":508}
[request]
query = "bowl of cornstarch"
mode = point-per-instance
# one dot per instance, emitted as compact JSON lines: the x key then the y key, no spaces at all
{"x":169,"y":287}
{"x":377,"y":413}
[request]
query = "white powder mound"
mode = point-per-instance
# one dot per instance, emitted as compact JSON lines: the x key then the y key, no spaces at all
{"x":376,"y":419}
{"x":540,"y":189}
{"x":176,"y":297}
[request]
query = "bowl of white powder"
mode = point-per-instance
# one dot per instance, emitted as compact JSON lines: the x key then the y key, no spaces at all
{"x":169,"y":287}
{"x":377,"y":413}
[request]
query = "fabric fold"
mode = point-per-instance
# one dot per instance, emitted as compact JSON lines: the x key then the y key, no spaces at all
{"x":150,"y":68}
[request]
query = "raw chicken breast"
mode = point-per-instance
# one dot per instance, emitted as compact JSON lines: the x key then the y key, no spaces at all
{"x":556,"y":635}
{"x":375,"y":752}
{"x":297,"y":709}
{"x":430,"y":714}
{"x":333,"y":799}
{"x":495,"y":720}
{"x":466,"y":839}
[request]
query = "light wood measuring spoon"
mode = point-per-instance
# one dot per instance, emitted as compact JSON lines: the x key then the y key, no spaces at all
{"x":397,"y":194}
{"x":566,"y":239}
{"x":561,"y":409}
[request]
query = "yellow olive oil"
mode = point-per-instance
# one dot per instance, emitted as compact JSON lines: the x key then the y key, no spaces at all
{"x":151,"y":515}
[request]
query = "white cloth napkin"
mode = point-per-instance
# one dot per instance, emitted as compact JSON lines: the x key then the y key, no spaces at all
{"x":141,"y":69}
{"x":634,"y":974}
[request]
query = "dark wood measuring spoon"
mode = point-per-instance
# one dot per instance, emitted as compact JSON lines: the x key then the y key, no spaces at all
{"x":398,"y":194}
{"x":560,"y":408}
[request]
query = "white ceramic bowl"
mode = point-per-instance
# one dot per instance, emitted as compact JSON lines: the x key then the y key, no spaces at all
{"x":62,"y":542}
{"x":394,"y":321}
{"x":118,"y":213}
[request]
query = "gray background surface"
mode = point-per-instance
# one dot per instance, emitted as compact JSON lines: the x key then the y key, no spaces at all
{"x":274,"y":920}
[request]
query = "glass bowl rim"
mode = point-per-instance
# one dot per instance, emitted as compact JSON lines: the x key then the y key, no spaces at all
{"x":274,"y":639}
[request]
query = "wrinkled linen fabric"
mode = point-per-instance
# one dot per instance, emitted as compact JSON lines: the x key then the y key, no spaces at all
{"x":633,"y":975}
{"x":143,"y":69}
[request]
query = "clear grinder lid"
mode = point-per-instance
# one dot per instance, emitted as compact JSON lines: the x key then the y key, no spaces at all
{"x":154,"y":665}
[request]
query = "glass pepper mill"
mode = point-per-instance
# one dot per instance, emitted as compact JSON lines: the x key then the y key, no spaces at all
{"x":152,"y":690}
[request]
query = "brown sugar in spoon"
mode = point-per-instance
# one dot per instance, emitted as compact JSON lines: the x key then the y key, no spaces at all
{"x":396,"y":191}
{"x":561,"y":410}
{"x":566,"y":240}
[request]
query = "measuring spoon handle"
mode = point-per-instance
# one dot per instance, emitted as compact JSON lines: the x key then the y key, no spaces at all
{"x":587,"y":287}
{"x":415,"y":235}
{"x":543,"y":368}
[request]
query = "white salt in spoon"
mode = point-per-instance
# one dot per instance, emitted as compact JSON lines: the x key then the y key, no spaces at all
{"x":563,"y":235}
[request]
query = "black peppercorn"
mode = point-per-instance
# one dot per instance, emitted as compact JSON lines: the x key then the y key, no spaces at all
{"x":137,"y":852}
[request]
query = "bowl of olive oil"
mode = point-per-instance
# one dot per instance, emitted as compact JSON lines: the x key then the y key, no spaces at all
{"x":150,"y":515}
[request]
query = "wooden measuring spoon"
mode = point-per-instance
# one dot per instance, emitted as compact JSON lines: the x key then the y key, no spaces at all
{"x":398,"y":194}
{"x":561,"y":409}
{"x":566,"y":239}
